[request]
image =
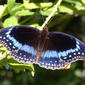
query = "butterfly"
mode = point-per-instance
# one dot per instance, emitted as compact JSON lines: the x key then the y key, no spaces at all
{"x":50,"y":50}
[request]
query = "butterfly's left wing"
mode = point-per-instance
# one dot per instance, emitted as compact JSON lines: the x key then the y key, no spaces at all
{"x":21,"y":42}
{"x":60,"y":50}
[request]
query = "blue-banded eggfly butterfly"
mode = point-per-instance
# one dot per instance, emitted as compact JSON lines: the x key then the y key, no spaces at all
{"x":51,"y":50}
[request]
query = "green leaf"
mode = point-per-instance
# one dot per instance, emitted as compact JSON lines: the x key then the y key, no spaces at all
{"x":45,"y":4}
{"x":3,"y":10}
{"x":47,"y":12}
{"x":25,"y":2}
{"x":78,"y":73}
{"x":20,"y":66}
{"x":66,"y":9}
{"x":16,"y":8}
{"x":2,"y":48}
{"x":13,"y":7}
{"x":71,"y":9}
{"x":75,"y":2}
{"x":3,"y":60}
{"x":24,"y":13}
{"x":11,"y":21}
{"x":10,"y":4}
{"x":83,"y":1}
{"x":2,"y":55}
{"x":38,"y":5}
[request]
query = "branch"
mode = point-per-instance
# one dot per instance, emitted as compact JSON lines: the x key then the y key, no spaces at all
{"x":53,"y":12}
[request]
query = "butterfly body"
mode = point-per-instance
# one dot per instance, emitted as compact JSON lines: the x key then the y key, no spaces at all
{"x":51,"y":50}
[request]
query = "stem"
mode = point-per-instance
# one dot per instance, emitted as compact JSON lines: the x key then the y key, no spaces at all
{"x":53,"y":12}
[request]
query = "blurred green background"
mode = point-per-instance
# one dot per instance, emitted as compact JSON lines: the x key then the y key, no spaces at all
{"x":70,"y":18}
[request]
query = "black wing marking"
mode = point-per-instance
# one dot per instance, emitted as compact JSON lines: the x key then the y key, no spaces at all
{"x":21,"y":41}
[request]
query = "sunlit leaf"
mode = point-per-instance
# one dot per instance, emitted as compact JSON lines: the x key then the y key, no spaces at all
{"x":24,"y":13}
{"x":3,"y":10}
{"x":83,"y":1}
{"x":11,"y":21}
{"x":37,"y":5}
{"x":47,"y":12}
{"x":65,"y":9}
{"x":74,"y":2}
{"x":20,"y":66}
{"x":25,"y":2}
{"x":10,"y":4}
{"x":78,"y":73}
{"x":16,"y":8}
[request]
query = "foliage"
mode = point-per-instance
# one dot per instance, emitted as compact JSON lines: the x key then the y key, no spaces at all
{"x":32,"y":13}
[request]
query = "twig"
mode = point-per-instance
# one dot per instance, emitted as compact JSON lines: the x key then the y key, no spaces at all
{"x":53,"y":12}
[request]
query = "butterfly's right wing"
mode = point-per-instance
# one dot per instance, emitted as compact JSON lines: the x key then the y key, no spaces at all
{"x":60,"y":50}
{"x":21,"y":42}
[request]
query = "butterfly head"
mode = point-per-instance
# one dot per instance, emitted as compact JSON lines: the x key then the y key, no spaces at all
{"x":44,"y":32}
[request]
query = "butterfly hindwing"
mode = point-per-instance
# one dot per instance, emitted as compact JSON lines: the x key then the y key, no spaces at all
{"x":21,"y":41}
{"x":60,"y":50}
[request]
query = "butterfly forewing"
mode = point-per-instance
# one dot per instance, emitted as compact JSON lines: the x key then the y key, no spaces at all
{"x":21,"y":41}
{"x":60,"y":50}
